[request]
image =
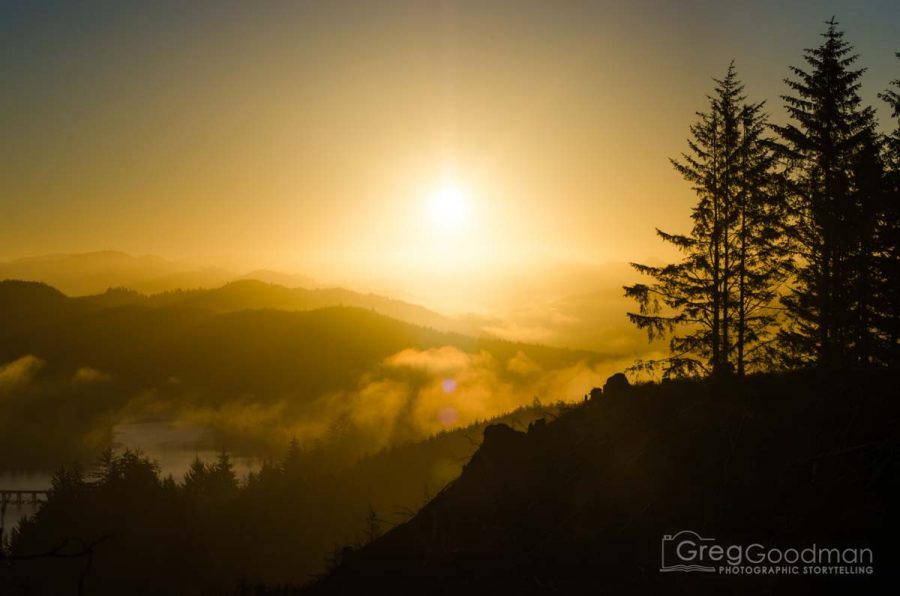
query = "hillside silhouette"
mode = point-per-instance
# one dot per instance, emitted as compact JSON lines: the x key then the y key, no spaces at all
{"x":580,"y":505}
{"x":558,"y":499}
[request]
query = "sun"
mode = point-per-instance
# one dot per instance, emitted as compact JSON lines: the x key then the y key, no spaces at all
{"x":448,"y":208}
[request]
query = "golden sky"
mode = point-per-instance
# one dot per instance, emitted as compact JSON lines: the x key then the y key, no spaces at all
{"x":419,"y":142}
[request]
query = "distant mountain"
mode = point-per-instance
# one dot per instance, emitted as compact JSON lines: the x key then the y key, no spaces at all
{"x":564,"y":305}
{"x":255,"y":294}
{"x":21,"y":298}
{"x":203,"y":338}
{"x":94,"y":272}
{"x":222,"y":357}
{"x":585,"y":503}
{"x":290,"y":280}
{"x":241,"y":335}
{"x":33,"y":305}
{"x":110,"y":278}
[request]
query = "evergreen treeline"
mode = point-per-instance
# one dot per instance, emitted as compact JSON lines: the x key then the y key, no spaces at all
{"x":792,"y":258}
{"x":120,"y":527}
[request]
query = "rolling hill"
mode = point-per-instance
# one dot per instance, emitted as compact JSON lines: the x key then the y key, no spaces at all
{"x":208,"y":359}
{"x":254,"y":294}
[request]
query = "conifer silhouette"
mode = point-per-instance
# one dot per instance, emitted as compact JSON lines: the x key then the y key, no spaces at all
{"x":716,"y":303}
{"x":830,"y":149}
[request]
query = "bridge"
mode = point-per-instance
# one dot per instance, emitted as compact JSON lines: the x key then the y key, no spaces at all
{"x":20,"y":498}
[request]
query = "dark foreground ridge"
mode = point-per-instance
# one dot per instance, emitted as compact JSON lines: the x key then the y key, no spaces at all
{"x":581,"y":504}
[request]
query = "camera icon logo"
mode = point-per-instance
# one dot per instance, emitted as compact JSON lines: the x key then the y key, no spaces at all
{"x":684,"y":552}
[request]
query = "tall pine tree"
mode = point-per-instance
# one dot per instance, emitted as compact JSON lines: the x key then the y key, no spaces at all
{"x":762,"y":252}
{"x":716,"y":303}
{"x":829,"y":146}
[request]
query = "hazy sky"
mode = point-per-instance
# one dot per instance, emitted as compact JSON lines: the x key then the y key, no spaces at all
{"x":313,"y":136}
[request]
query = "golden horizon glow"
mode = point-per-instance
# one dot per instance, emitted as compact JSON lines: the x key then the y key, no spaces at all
{"x":310,"y":139}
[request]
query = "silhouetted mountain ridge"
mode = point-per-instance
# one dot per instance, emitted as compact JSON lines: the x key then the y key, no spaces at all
{"x":127,"y":357}
{"x":254,"y":294}
{"x":581,"y":504}
{"x":235,"y":319}
{"x":29,"y":302}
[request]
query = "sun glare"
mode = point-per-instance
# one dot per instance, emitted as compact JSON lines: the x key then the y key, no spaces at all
{"x":448,"y":208}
